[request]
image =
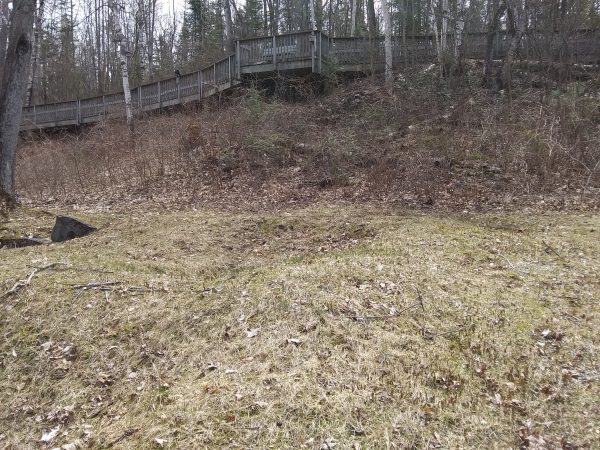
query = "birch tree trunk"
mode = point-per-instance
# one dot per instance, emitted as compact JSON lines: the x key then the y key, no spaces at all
{"x":12,"y":90}
{"x":118,"y":38}
{"x":126,"y":91}
{"x":4,"y":13}
{"x":436,"y":34}
{"x":388,"y":41}
{"x":459,"y":26}
{"x":444,"y":34}
{"x":37,"y":37}
{"x":228,"y":26}
{"x":353,"y":23}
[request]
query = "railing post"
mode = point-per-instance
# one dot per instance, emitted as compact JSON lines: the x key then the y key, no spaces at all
{"x":78,"y":111}
{"x":215,"y":76}
{"x":34,"y":115}
{"x":200,"y":83}
{"x":104,"y":106}
{"x":238,"y":57}
{"x":274,"y":53}
{"x":140,"y":106}
{"x":312,"y":38}
{"x":229,"y":68}
{"x":159,"y":96}
{"x":178,"y":90}
{"x":320,"y":52}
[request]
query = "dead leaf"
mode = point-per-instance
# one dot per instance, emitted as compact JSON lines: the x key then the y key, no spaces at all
{"x":294,"y":341}
{"x":253,"y":332}
{"x":50,"y":435}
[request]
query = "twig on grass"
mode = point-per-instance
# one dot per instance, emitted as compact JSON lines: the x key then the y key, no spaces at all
{"x":551,"y":249}
{"x":123,"y":436}
{"x":102,"y":286}
{"x":23,"y":283}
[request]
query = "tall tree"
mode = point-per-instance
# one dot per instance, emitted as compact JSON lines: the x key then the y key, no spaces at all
{"x":4,"y":16}
{"x":37,"y":38}
{"x":12,"y":90}
{"x":229,"y":38}
{"x":387,"y":23}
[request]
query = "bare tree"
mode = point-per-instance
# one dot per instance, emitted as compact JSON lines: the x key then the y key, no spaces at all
{"x":387,"y":23}
{"x":12,"y":90}
{"x":517,"y":10}
{"x":228,"y":26}
{"x":496,"y":10}
{"x":353,"y":19}
{"x":118,"y":38}
{"x":37,"y":37}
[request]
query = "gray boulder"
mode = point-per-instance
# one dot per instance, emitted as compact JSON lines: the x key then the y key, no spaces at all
{"x":67,"y":228}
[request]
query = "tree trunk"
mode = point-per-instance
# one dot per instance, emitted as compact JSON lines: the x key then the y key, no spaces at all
{"x":228,"y":26}
{"x":4,"y":13}
{"x":495,"y":14}
{"x":37,"y":37}
{"x":126,"y":90}
{"x":12,"y":90}
{"x":444,"y":34}
{"x":353,"y":24}
{"x":459,"y":25}
{"x":517,"y":10}
{"x":122,"y":52}
{"x":436,"y":34}
{"x":388,"y":41}
{"x":372,"y":20}
{"x":313,"y":17}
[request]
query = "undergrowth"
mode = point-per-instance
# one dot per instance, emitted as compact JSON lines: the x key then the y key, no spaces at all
{"x":427,"y":139}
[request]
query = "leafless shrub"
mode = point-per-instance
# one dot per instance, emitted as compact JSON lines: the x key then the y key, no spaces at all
{"x":416,"y":141}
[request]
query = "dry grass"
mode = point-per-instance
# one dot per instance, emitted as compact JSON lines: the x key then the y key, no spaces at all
{"x":426,"y":144}
{"x":503,"y":354}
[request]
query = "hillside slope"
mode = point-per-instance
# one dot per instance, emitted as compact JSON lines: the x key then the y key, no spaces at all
{"x":448,"y":145}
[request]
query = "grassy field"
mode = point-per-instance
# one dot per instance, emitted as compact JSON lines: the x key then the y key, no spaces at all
{"x":317,"y":328}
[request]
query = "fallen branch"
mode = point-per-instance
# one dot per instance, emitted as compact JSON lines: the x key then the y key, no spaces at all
{"x":551,"y":249}
{"x":123,"y":436}
{"x":101,"y":286}
{"x":23,"y":283}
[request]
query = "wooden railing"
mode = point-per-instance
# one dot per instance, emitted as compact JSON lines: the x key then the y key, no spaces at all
{"x":171,"y":91}
{"x":307,"y":51}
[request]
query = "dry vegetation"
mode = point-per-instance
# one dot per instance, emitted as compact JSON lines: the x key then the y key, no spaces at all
{"x":249,"y":315}
{"x":428,"y":144}
{"x":317,"y":328}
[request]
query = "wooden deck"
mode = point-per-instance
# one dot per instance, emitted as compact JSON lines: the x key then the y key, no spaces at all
{"x":294,"y":52}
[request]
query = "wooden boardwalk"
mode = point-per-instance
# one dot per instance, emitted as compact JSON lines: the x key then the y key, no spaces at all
{"x":303,"y":52}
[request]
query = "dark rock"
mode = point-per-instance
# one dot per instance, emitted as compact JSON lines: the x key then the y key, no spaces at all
{"x":67,"y":228}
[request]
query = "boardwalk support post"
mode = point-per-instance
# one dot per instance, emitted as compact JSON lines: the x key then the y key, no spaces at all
{"x":200,"y":84}
{"x":34,"y":115}
{"x":104,"y":106}
{"x":274,"y":53}
{"x":312,"y":38}
{"x":159,"y":97}
{"x":238,"y":59}
{"x":78,"y":111}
